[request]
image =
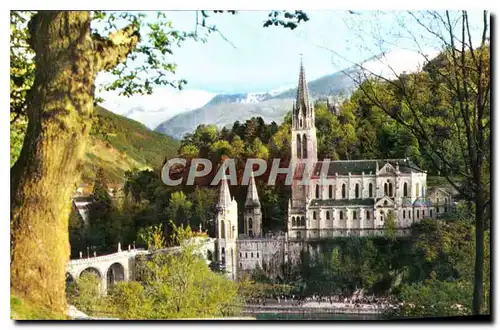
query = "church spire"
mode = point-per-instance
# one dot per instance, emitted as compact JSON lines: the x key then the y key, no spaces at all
{"x":252,"y":195}
{"x":302,"y":102}
{"x":224,"y":195}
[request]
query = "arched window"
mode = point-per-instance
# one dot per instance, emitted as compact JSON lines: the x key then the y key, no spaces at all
{"x":257,"y":254}
{"x":390,"y":189}
{"x":303,"y":222}
{"x":404,"y":214}
{"x":304,"y":146}
{"x":356,"y":190}
{"x":246,"y":255}
{"x":317,"y":191}
{"x":251,"y":255}
{"x":370,"y":190}
{"x":330,"y":191}
{"x":405,"y":190}
{"x":314,"y":215}
{"x":341,"y":215}
{"x":300,"y":122}
{"x":343,"y":190}
{"x":354,"y":215}
{"x":430,"y":213}
{"x":293,"y":222}
{"x":328,"y":215}
{"x":299,"y":146}
{"x":367,"y":215}
{"x":418,"y":214}
{"x":222,"y":229}
{"x":386,"y":192}
{"x":250,"y":223}
{"x":417,"y":190}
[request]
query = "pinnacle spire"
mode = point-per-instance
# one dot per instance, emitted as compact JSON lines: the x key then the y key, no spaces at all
{"x":252,"y":195}
{"x":302,"y":101}
{"x":224,"y":195}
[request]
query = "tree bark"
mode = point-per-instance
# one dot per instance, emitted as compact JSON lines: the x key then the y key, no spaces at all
{"x":59,"y":108}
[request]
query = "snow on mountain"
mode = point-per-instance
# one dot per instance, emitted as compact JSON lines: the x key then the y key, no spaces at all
{"x":152,"y":109}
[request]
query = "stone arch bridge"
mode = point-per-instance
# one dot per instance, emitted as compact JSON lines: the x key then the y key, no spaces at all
{"x":120,"y":266}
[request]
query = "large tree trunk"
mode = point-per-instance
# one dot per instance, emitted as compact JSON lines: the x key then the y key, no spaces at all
{"x":43,"y":179}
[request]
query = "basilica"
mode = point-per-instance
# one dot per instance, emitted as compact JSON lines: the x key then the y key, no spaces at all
{"x":341,"y":198}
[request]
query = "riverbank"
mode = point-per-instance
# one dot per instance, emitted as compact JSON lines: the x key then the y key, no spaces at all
{"x":314,"y":307}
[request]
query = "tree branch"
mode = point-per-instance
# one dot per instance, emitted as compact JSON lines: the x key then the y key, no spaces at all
{"x":111,"y":51}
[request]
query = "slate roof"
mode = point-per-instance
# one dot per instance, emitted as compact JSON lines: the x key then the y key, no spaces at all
{"x":421,"y":201}
{"x":342,"y":202}
{"x":344,"y":167}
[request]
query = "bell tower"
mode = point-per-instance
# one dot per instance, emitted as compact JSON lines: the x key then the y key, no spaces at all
{"x":253,"y":213}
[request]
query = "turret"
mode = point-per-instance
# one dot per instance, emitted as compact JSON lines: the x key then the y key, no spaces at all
{"x":253,"y":214}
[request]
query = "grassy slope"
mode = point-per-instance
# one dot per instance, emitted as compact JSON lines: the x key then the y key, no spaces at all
{"x":118,"y":144}
{"x":21,"y":310}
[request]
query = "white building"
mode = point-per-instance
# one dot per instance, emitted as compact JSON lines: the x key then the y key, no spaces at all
{"x":342,"y":198}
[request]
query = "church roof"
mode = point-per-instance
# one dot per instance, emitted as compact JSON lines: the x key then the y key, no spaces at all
{"x":252,"y":194}
{"x":344,"y":167}
{"x":422,"y":201}
{"x":342,"y":202}
{"x":224,"y":195}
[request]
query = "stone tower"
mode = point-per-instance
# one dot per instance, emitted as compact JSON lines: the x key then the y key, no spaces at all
{"x":304,"y":144}
{"x":226,"y":229}
{"x":253,"y":214}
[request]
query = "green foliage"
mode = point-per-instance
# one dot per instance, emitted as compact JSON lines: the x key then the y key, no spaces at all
{"x":152,"y":236}
{"x":129,"y":301}
{"x":85,"y":293}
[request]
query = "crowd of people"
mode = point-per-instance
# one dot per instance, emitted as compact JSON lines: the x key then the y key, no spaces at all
{"x":321,"y":301}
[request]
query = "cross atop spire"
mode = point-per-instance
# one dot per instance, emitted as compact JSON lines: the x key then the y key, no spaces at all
{"x":302,"y":102}
{"x":252,"y":195}
{"x":224,"y":195}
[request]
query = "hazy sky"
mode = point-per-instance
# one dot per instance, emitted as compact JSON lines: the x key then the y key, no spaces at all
{"x":263,"y":59}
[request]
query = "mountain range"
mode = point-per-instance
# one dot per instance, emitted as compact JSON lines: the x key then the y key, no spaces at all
{"x":188,"y":109}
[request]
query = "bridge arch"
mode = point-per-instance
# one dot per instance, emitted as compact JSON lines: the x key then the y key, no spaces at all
{"x":115,"y":273}
{"x":91,"y":270}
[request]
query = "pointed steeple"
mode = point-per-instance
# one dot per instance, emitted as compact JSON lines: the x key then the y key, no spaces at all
{"x":224,"y":195}
{"x":252,"y":195}
{"x":302,"y":102}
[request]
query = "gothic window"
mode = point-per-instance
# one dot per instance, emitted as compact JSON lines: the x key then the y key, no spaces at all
{"x":303,"y":221}
{"x":314,"y":215}
{"x":343,"y":190}
{"x":341,"y":215}
{"x":293,"y":222}
{"x":330,"y":191}
{"x":327,"y":215}
{"x":405,"y":190}
{"x":367,"y":215}
{"x":390,"y":189}
{"x":357,"y":190}
{"x":251,"y":255}
{"x":257,"y":254}
{"x":222,"y":229}
{"x":430,"y":213}
{"x":385,"y":189}
{"x":223,"y":252}
{"x":317,"y":191}
{"x":385,"y":203}
{"x":304,"y":148}
{"x":250,"y":223}
{"x":299,"y":146}
{"x":409,"y":215}
{"x":418,"y":214}
{"x":300,"y":122}
{"x":370,"y":190}
{"x":246,"y":255}
{"x":404,"y":214}
{"x":354,"y":215}
{"x":417,"y":189}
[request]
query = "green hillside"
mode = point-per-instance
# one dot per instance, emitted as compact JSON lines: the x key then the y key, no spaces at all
{"x":118,"y":144}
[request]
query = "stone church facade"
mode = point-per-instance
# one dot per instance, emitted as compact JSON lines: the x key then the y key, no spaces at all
{"x":342,"y":198}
